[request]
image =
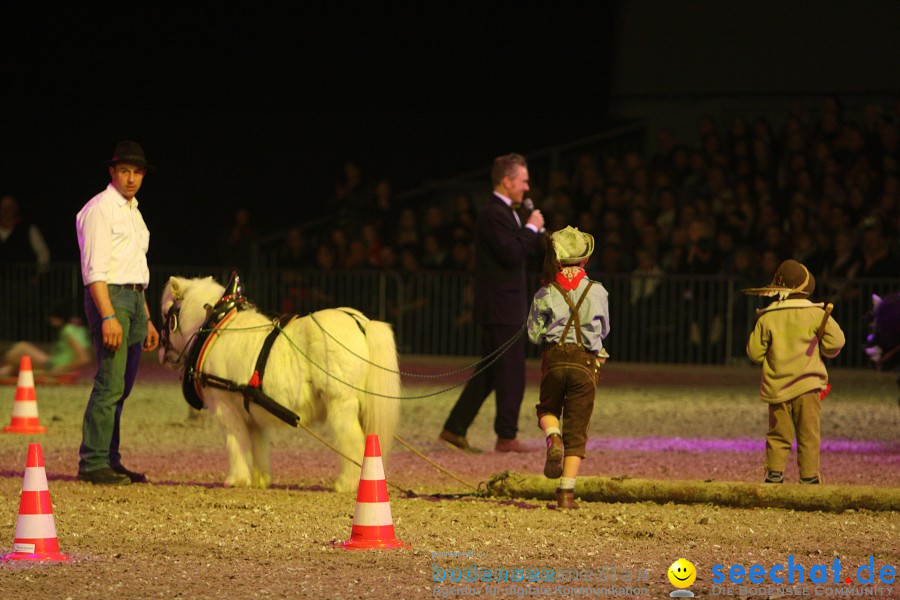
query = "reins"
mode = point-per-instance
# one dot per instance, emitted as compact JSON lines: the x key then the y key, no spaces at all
{"x":218,"y":317}
{"x":500,"y":350}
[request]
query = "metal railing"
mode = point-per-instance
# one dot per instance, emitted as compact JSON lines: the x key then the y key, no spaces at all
{"x":666,"y":319}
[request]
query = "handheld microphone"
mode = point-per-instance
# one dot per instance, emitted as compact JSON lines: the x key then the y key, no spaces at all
{"x":528,"y":205}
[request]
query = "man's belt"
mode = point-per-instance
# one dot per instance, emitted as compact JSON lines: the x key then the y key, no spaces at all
{"x":138,"y":287}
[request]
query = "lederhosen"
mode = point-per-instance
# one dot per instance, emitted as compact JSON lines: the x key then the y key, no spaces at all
{"x":569,"y":381}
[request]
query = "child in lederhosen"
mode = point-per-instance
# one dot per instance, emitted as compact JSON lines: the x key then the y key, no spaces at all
{"x":790,"y":338}
{"x":570,"y":317}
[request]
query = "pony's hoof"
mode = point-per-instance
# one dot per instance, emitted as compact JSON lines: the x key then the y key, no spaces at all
{"x":235,"y":482}
{"x":262,"y":481}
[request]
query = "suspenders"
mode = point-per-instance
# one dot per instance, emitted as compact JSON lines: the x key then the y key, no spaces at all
{"x":573,"y":309}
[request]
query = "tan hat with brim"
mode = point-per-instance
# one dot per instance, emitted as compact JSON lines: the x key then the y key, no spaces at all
{"x":572,"y":246}
{"x":792,"y":280}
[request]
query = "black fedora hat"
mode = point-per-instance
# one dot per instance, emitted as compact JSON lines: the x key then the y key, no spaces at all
{"x":129,"y":152}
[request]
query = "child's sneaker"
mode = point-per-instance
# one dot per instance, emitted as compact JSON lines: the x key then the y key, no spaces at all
{"x":553,"y":465}
{"x":775,"y":477}
{"x":810,"y":480}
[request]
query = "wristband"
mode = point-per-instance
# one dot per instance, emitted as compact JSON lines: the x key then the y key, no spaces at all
{"x":108,"y":318}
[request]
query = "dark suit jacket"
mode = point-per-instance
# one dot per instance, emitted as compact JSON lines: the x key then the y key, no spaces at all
{"x":501,"y":248}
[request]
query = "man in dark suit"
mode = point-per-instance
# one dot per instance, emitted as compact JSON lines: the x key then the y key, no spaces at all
{"x":502,"y":244}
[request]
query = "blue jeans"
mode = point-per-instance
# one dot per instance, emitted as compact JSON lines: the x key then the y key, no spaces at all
{"x":116,"y":372}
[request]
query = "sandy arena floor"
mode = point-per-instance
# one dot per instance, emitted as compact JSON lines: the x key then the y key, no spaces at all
{"x":185,"y":535}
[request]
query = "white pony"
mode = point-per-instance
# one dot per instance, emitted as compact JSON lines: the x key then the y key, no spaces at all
{"x":340,"y":344}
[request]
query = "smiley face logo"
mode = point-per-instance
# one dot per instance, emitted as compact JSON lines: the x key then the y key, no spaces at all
{"x":682,"y":573}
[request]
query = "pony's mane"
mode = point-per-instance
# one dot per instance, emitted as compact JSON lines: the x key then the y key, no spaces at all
{"x":206,"y":288}
{"x":194,"y":294}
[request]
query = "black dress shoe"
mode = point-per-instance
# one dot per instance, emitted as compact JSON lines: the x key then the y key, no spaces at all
{"x":104,"y":476}
{"x":134,"y":476}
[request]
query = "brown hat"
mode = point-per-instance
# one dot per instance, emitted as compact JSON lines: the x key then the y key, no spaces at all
{"x":792,"y":280}
{"x":129,"y":152}
{"x":792,"y":274}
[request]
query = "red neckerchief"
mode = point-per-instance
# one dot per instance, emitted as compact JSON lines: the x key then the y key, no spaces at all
{"x":569,"y":277}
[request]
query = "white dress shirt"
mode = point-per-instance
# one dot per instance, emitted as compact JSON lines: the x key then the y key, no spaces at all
{"x":509,"y":202}
{"x":113,"y":239}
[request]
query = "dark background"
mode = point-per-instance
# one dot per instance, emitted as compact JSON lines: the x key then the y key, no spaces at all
{"x":263,"y":113}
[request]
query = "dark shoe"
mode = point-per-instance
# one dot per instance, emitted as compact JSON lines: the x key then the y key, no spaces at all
{"x":553,"y":465}
{"x":566,"y":499}
{"x":458,"y":441}
{"x":814,"y":480}
{"x":774,"y":477}
{"x":134,"y":476}
{"x":104,"y":476}
{"x":513,"y":445}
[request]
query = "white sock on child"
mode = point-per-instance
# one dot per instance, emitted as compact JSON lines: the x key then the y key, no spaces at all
{"x":551,"y":430}
{"x":567,"y":483}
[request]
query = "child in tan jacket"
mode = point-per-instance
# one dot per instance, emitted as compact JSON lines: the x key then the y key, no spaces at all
{"x":790,"y":338}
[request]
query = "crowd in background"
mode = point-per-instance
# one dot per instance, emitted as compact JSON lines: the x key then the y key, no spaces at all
{"x":820,"y":187}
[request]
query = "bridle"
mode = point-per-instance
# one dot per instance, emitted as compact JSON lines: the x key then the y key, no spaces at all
{"x":171,"y":326}
{"x":191,"y":358}
{"x":214,"y":314}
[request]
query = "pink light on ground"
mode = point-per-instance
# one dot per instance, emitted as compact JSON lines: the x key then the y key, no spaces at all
{"x":678,"y":444}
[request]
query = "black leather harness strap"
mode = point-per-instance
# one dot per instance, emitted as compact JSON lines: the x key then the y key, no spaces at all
{"x":252,"y":390}
{"x":189,"y":381}
{"x":253,"y":394}
{"x":256,"y":380}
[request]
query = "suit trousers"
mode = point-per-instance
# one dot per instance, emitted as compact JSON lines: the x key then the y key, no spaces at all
{"x":506,"y":378}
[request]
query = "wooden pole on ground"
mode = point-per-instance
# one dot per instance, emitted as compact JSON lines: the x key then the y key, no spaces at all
{"x":829,"y":498}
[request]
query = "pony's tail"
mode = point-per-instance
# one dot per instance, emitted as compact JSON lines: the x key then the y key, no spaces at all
{"x":379,"y":414}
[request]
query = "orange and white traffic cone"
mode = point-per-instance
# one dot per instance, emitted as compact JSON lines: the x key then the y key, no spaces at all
{"x":373,"y":526}
{"x":35,"y":529}
{"x":25,"y":413}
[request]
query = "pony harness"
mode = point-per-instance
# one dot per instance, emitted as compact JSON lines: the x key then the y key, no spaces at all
{"x":194,"y":379}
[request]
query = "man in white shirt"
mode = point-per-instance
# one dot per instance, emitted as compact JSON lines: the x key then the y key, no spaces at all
{"x":113,"y":240}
